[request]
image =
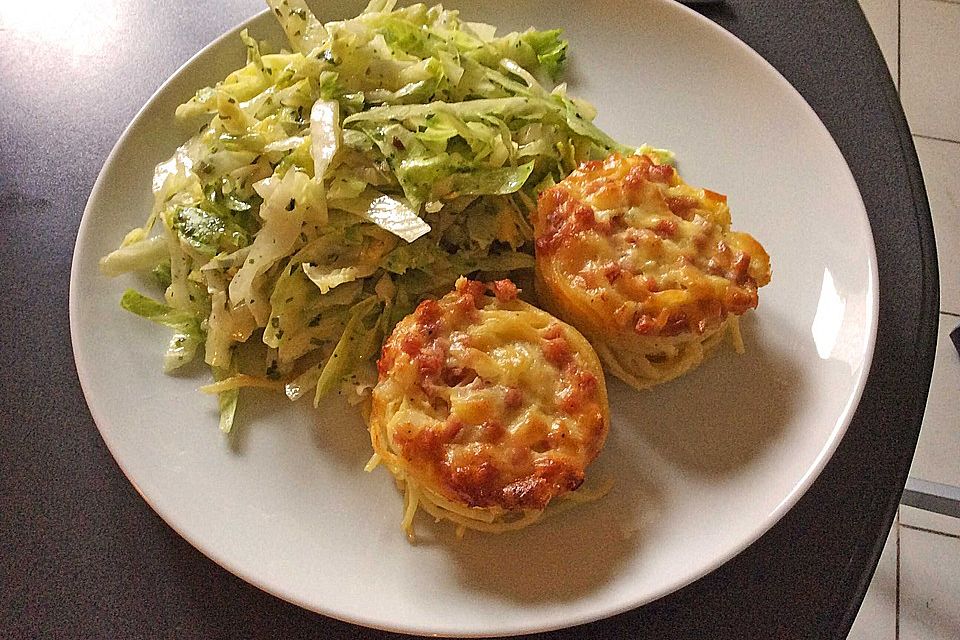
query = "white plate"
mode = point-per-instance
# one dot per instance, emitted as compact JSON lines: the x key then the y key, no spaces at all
{"x":702,"y":467}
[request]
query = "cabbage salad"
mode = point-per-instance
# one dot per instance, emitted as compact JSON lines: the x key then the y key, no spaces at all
{"x":336,"y":184}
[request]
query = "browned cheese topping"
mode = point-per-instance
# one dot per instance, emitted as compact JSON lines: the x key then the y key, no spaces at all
{"x":488,"y":401}
{"x":633,"y":247}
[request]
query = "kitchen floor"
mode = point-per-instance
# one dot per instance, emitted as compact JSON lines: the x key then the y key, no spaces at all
{"x":915,"y":593}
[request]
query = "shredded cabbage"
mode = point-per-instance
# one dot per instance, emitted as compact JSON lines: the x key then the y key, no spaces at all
{"x":339,"y":182}
{"x":187,"y":337}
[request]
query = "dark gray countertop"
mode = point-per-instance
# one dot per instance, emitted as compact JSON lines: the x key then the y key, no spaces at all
{"x":82,"y":555}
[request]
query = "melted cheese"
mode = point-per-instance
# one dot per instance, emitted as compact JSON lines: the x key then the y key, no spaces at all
{"x":644,"y":264}
{"x":489,"y":407}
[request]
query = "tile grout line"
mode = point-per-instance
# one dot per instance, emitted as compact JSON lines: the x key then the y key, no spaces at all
{"x":926,"y":137}
{"x":899,"y":56}
{"x":954,"y":536}
{"x":949,"y":313}
{"x":896,"y":626}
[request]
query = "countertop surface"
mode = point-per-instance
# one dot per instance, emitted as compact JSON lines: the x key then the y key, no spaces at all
{"x":82,"y":555}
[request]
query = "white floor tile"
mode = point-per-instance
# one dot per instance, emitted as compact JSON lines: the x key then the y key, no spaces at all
{"x":877,"y":619}
{"x":940,"y":162}
{"x":930,"y":67}
{"x":884,"y":20}
{"x":937,"y":458}
{"x":932,"y":521}
{"x":929,"y":586}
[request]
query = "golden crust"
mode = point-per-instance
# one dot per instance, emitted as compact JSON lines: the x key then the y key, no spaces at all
{"x":645,"y":265}
{"x":487,"y":407}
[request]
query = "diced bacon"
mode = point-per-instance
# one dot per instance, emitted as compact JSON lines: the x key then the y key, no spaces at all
{"x":660,"y":172}
{"x":651,"y":325}
{"x":553,"y":332}
{"x":634,"y":235}
{"x":563,"y":217}
{"x":581,"y":387}
{"x":682,"y":206}
{"x":427,"y":444}
{"x":428,"y":315}
{"x":666,"y":228}
{"x":646,"y":325}
{"x":635,"y":178}
{"x":453,"y":376}
{"x":492,"y":431}
{"x":471,"y":295}
{"x":557,"y":350}
{"x":513,"y":398}
{"x":589,"y":166}
{"x":472,"y":287}
{"x":675,"y":324}
{"x":739,"y":299}
{"x":411,"y":343}
{"x":587,"y":382}
{"x":430,"y":360}
{"x":416,"y":343}
{"x":583,"y":217}
{"x":612,"y":272}
{"x":740,"y":268}
{"x":505,"y":290}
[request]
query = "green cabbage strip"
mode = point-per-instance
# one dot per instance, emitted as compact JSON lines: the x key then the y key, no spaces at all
{"x":187,"y":337}
{"x":226,"y":400}
{"x":357,"y":343}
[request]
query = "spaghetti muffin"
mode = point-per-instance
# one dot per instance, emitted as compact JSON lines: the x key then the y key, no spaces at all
{"x":487,"y":409}
{"x":645,"y":265}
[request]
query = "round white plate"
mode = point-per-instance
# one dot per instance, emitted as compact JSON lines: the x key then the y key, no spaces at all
{"x":701,"y":467}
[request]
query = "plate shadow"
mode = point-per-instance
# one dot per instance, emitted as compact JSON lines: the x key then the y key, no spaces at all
{"x":717,"y":418}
